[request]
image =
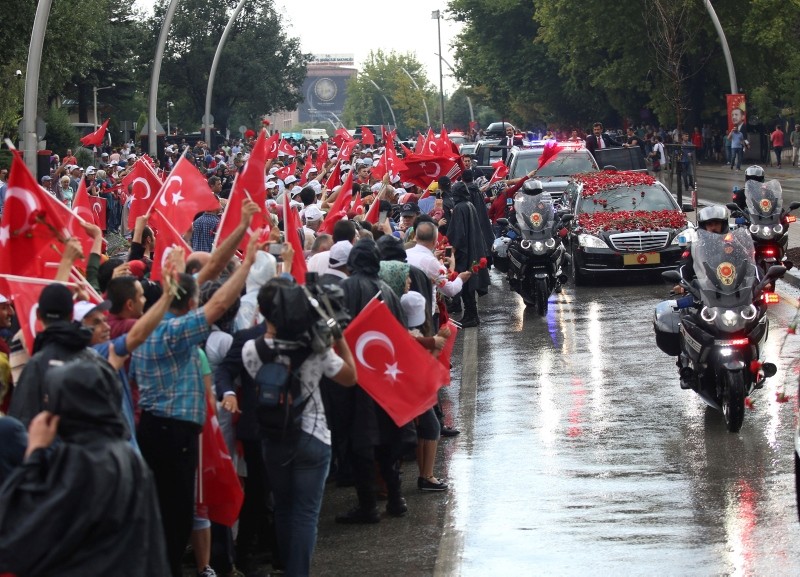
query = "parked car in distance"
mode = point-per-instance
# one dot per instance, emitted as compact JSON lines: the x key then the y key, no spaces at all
{"x":625,"y":222}
{"x":457,"y":138}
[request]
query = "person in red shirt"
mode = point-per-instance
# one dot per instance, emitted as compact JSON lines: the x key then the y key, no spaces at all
{"x":777,"y":143}
{"x":697,"y":140}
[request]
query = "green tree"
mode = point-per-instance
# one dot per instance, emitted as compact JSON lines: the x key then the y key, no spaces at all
{"x":261,"y":69}
{"x":60,"y":133}
{"x":365,"y":103}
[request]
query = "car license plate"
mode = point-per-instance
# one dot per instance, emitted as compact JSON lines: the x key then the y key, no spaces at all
{"x":641,"y":259}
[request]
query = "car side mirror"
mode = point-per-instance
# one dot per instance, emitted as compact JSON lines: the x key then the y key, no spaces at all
{"x":687,"y":207}
{"x":671,"y":276}
{"x":565,"y":218}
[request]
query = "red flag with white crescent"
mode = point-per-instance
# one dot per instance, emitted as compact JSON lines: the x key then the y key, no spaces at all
{"x":96,"y":138}
{"x":322,"y":156}
{"x":500,"y":171}
{"x":167,"y":238}
{"x":286,"y":148}
{"x":145,"y":184}
{"x":422,"y":170}
{"x":340,"y":205}
{"x":393,"y":368}
{"x":184,"y":194}
{"x":272,"y":145}
{"x":366,"y":136}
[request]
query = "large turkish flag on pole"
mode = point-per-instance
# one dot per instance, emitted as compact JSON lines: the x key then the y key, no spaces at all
{"x":184,"y":194}
{"x":397,"y":372}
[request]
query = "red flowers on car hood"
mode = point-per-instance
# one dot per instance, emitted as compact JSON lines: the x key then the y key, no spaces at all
{"x":630,"y":220}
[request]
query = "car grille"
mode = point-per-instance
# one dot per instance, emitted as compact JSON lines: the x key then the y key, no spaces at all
{"x":639,"y":241}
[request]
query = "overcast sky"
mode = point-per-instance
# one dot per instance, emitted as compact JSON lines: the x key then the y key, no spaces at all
{"x":351,"y":27}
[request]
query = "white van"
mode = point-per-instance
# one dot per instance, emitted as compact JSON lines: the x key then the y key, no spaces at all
{"x":314,"y":134}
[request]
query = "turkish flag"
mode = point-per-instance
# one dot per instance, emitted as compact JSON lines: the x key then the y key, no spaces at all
{"x":25,"y":294}
{"x":219,"y":488}
{"x":306,"y":169}
{"x":145,"y":183}
{"x":291,"y":224}
{"x":430,"y":147}
{"x":406,"y":150}
{"x":340,"y":205}
{"x":341,"y":136}
{"x":81,"y":205}
{"x":500,"y":171}
{"x":322,"y":156}
{"x":388,"y":136}
{"x":286,"y":148}
{"x":31,"y":223}
{"x":286,"y":171}
{"x":419,"y":145}
{"x":333,"y":179}
{"x":249,"y":184}
{"x":374,"y":212}
{"x":444,"y":146}
{"x":166,"y":238}
{"x":346,"y":150}
{"x":393,"y":368}
{"x":424,"y":169}
{"x":96,"y":138}
{"x":184,"y":194}
{"x":272,"y":145}
{"x":366,"y":136}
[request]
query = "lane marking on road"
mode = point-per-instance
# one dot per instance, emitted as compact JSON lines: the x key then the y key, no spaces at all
{"x":451,"y":545}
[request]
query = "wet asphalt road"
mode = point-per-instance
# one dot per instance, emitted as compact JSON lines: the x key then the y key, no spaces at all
{"x":580,"y":454}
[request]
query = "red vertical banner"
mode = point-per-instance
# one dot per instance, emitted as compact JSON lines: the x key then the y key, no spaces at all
{"x":737,"y":111}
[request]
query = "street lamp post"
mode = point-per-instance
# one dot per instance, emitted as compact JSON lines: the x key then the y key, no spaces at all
{"x":169,"y":105}
{"x":424,"y":103}
{"x":152,"y":101}
{"x":436,"y":15}
{"x":386,"y":100}
{"x":30,"y":140}
{"x":450,"y":66}
{"x":95,"y":90}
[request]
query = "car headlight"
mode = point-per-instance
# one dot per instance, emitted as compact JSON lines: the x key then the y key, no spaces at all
{"x":591,"y":241}
{"x":766,"y":232}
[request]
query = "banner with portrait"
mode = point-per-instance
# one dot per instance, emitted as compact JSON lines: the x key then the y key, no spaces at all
{"x":737,"y":111}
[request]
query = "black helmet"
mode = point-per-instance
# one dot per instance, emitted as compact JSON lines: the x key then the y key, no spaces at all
{"x":754,"y":172}
{"x":717,"y":213}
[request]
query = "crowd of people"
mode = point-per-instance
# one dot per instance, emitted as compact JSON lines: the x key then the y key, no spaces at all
{"x":99,"y":445}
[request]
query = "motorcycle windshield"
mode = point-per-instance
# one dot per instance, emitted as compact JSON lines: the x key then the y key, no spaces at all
{"x":764,"y":201}
{"x":725,"y":267}
{"x":535,"y":214}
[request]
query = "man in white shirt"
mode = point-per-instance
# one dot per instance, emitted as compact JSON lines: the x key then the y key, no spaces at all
{"x":421,"y":256}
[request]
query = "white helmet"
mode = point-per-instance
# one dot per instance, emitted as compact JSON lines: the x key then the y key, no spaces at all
{"x":754,"y":172}
{"x":533,"y":187}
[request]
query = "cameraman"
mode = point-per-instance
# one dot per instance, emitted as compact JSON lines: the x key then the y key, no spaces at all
{"x":298,"y":465}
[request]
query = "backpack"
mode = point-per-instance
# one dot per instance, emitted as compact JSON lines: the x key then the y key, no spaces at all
{"x":280,"y":402}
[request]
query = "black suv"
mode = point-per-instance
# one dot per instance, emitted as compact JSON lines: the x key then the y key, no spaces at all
{"x":497,"y":130}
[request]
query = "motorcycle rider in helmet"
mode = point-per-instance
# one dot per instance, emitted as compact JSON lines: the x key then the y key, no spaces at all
{"x":713,"y":219}
{"x":754,"y":172}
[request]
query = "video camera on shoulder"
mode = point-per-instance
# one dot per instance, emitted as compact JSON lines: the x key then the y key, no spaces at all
{"x":331,"y":316}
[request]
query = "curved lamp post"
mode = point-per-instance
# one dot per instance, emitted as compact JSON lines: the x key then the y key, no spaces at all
{"x":378,"y":88}
{"x":469,"y":101}
{"x":424,"y":103}
{"x":214,"y":64}
{"x":30,"y":140}
{"x":437,"y":15}
{"x":725,"y":50}
{"x":153,"y":100}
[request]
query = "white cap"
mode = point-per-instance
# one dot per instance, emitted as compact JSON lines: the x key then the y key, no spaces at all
{"x":339,"y":253}
{"x":3,"y":299}
{"x":271,"y":184}
{"x":274,"y":169}
{"x":90,"y":170}
{"x":313,"y":213}
{"x":312,"y":169}
{"x":413,"y":304}
{"x":83,"y":308}
{"x":290,"y":179}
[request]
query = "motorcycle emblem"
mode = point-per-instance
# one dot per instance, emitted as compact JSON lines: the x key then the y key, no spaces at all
{"x":765,"y":205}
{"x":536,"y":219}
{"x":726,"y":273}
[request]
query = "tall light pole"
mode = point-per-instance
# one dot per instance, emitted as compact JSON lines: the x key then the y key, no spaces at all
{"x":152,"y":137}
{"x":169,"y":105}
{"x":424,"y":103}
{"x":30,"y":140}
{"x":469,"y":102}
{"x":95,"y":90}
{"x":436,"y":15}
{"x":213,"y":73}
{"x":725,"y":50}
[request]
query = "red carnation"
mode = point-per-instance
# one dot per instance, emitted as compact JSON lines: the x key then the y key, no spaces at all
{"x":483,"y":262}
{"x":475,"y":269}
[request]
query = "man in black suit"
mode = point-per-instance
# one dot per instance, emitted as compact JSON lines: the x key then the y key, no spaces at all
{"x":598,"y":140}
{"x":510,"y":140}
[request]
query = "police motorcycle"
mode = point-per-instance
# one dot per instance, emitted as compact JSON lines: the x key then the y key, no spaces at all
{"x":767,"y":221}
{"x":530,"y":250}
{"x":718,"y":330}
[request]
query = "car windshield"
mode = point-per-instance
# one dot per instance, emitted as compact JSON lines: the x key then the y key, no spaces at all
{"x":640,"y":197}
{"x":564,"y":164}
